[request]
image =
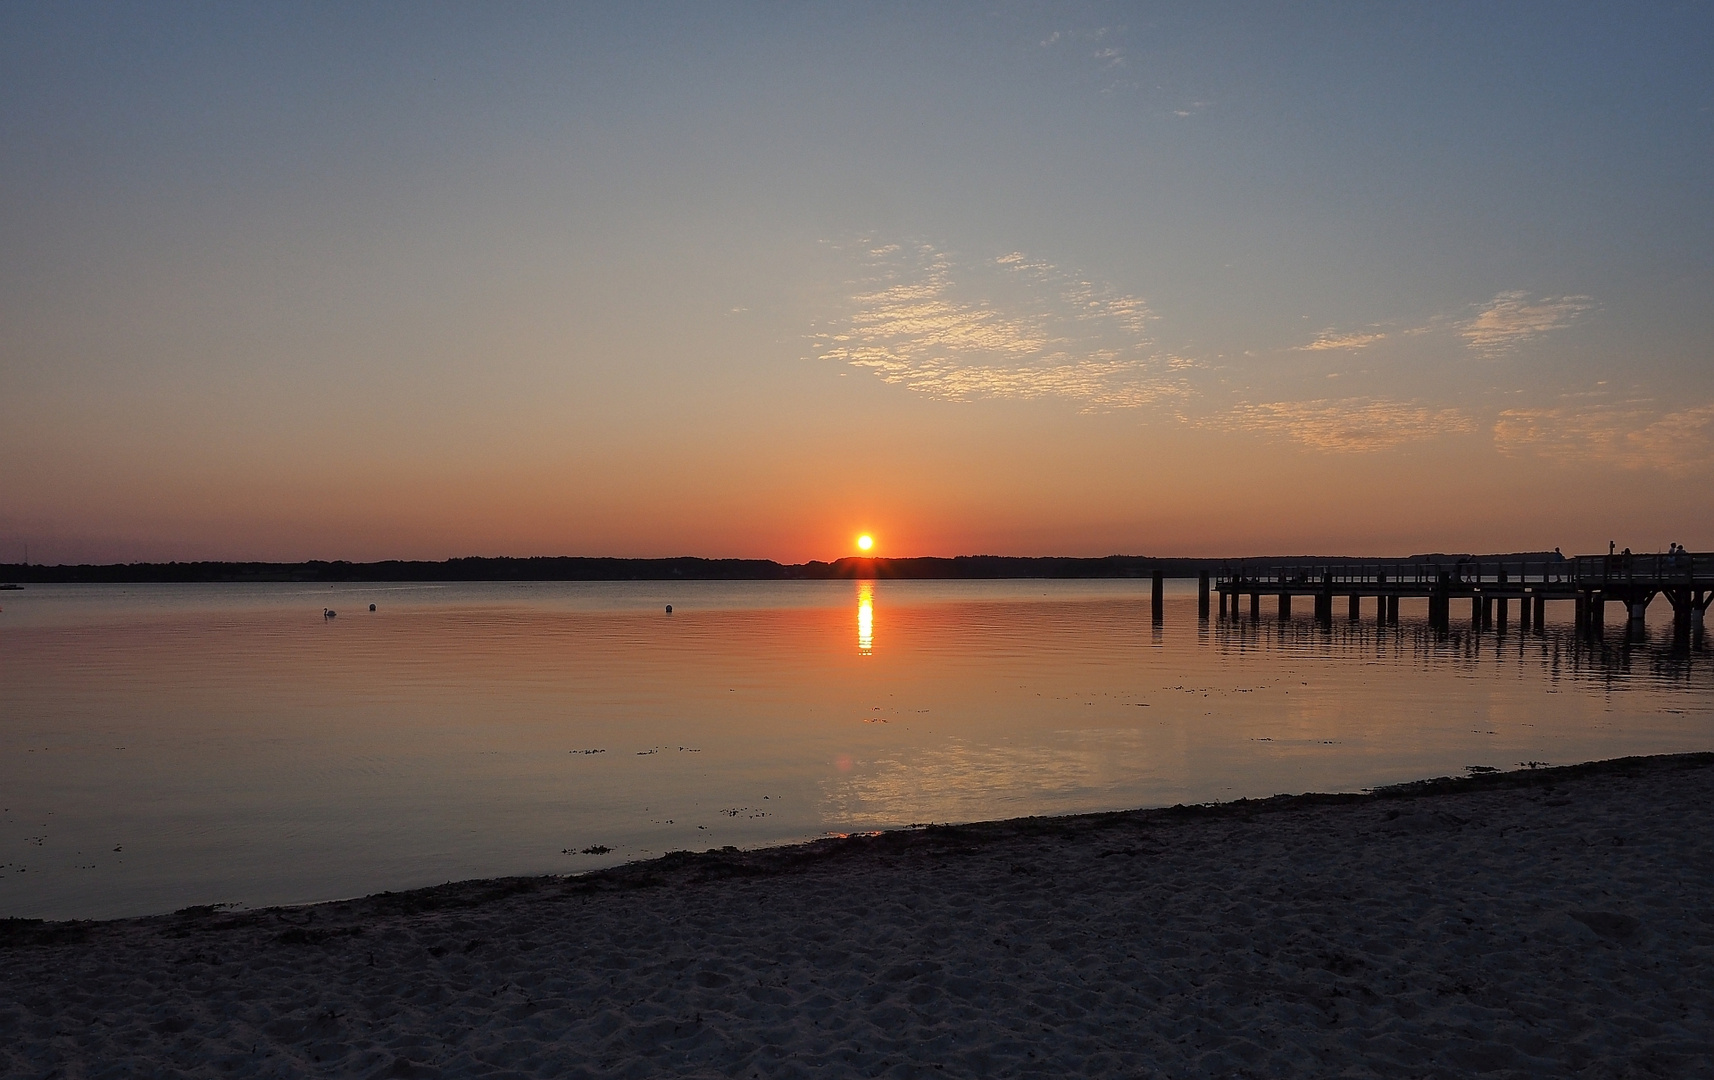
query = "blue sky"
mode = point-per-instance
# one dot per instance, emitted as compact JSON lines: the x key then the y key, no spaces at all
{"x":293,"y":281}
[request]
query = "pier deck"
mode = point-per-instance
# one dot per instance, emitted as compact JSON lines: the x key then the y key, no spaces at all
{"x":1590,"y":582}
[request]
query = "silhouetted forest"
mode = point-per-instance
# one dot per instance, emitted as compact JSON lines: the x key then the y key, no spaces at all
{"x":567,"y":568}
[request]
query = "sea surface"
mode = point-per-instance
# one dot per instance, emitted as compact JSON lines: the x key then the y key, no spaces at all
{"x":163,"y":746}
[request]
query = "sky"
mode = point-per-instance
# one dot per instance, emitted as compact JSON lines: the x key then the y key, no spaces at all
{"x":295,"y":281}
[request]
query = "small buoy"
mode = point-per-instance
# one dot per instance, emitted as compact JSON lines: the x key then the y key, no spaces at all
{"x":371,"y":607}
{"x":669,"y":609}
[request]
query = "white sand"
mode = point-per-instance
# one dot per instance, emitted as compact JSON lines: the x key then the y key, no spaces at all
{"x":1563,"y":928}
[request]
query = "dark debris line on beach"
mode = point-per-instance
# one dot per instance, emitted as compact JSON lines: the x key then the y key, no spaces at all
{"x":1551,"y":922}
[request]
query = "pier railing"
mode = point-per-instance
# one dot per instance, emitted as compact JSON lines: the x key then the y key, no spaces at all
{"x":1390,"y":575}
{"x":1683,"y":569}
{"x":1567,"y":575}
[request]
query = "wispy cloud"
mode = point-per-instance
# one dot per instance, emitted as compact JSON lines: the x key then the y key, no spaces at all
{"x":1512,"y":318}
{"x":1004,"y":327}
{"x":1347,"y":425}
{"x":1627,"y":435}
{"x":1331,"y":339}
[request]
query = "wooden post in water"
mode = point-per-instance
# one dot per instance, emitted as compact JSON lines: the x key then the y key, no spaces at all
{"x":1500,"y":607}
{"x":1354,"y":610}
{"x":1476,"y":612}
{"x":1392,"y":611}
{"x":1255,"y":607}
{"x":1285,"y":606}
{"x":1540,"y":613}
{"x":1202,"y":596}
{"x":1524,"y":606}
{"x":1156,"y":599}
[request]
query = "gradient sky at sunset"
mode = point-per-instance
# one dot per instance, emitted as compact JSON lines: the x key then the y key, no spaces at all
{"x":367,"y":281}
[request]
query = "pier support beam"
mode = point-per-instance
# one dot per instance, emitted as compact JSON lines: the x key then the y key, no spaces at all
{"x":1255,"y":607}
{"x":1354,"y":610}
{"x":1156,"y":598}
{"x":1285,"y":606}
{"x":1202,"y":596}
{"x":1540,"y":606}
{"x":1500,"y":606}
{"x":1392,"y":611}
{"x":1476,"y":612}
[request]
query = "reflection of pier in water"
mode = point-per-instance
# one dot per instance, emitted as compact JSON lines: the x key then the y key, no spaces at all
{"x":1656,"y":654}
{"x":1589,"y":582}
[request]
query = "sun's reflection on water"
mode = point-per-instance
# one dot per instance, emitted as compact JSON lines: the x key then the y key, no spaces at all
{"x":865,"y":617}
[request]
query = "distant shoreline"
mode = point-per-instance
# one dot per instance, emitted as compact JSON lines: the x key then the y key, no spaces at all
{"x":575,"y":568}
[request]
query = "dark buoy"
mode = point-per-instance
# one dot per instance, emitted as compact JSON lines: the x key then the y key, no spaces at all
{"x":669,"y":609}
{"x":371,"y":607}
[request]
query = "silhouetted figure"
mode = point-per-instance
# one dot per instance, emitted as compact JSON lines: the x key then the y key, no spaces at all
{"x":669,"y":609}
{"x":371,"y":607}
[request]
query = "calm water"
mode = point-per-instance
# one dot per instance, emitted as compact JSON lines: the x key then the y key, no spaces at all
{"x":169,"y":745}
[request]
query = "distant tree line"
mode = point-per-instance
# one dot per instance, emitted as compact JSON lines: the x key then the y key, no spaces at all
{"x":570,"y":568}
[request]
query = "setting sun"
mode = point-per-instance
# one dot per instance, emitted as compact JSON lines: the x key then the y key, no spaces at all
{"x":865,"y":542}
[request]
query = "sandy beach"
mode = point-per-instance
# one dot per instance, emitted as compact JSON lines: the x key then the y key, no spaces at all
{"x":1557,"y":922}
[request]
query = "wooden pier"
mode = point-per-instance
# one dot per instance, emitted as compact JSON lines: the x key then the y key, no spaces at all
{"x":1489,"y":587}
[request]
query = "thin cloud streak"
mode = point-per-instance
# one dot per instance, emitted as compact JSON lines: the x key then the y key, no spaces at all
{"x":1347,"y":425}
{"x":1009,"y":327}
{"x":1626,"y":435}
{"x":1511,"y":318}
{"x":1331,"y":339}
